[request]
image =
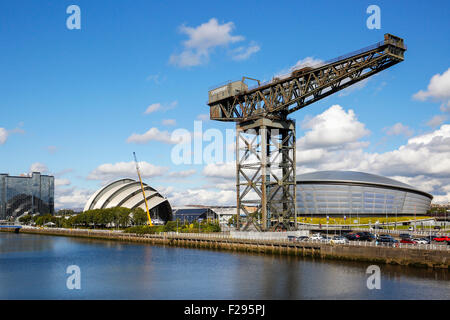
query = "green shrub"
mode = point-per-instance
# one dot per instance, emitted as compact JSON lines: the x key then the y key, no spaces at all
{"x":144,"y":229}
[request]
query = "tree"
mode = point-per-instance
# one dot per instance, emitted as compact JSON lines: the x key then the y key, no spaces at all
{"x":139,"y":217}
{"x":26,"y":219}
{"x":66,"y":212}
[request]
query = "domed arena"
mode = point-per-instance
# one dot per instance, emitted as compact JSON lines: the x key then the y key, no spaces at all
{"x":350,"y":192}
{"x":128,"y":193}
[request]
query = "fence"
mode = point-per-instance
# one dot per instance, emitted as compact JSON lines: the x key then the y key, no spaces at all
{"x":249,"y":236}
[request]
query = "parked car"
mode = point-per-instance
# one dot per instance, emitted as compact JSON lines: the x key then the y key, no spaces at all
{"x":421,"y":240}
{"x":292,"y":238}
{"x":406,"y":240}
{"x":411,"y":228}
{"x":430,"y":238}
{"x":404,"y":235}
{"x":386,"y":239}
{"x":326,"y":239}
{"x":365,"y":236}
{"x":351,"y":236}
{"x":303,"y":238}
{"x":316,"y":237}
{"x":339,"y":240}
{"x":441,"y":238}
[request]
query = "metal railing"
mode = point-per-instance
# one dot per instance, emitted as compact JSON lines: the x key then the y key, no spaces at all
{"x":260,"y":237}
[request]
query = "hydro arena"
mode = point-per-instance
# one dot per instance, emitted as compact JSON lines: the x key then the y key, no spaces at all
{"x":338,"y":193}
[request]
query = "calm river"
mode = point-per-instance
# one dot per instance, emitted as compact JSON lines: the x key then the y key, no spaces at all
{"x":34,"y":267}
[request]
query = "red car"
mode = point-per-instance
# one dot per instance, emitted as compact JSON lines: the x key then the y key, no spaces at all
{"x":441,"y":238}
{"x":406,"y":240}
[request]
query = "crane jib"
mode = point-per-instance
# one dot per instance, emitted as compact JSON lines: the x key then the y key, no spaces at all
{"x":285,"y":94}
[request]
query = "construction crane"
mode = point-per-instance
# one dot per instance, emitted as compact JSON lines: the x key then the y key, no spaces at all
{"x":264,"y":133}
{"x":142,"y":188}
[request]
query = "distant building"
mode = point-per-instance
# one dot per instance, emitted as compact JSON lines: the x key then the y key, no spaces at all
{"x":127,"y":193}
{"x":221,"y":214}
{"x":190,"y":214}
{"x":341,"y":193}
{"x":27,"y":194}
{"x":224,"y":214}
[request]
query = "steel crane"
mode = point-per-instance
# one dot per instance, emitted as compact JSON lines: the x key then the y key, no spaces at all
{"x":142,"y":188}
{"x":265,"y":137}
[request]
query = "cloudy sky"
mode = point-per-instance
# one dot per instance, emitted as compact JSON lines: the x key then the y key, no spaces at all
{"x":135,"y":77}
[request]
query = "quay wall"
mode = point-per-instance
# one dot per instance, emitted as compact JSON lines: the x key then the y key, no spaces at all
{"x":405,"y":255}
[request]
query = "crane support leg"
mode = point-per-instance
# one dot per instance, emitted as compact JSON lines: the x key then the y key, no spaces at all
{"x":265,"y":172}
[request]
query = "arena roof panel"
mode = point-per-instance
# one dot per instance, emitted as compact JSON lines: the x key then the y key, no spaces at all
{"x":355,"y":177}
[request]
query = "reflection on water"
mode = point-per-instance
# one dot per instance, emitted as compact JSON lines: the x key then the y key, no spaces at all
{"x":34,"y":267}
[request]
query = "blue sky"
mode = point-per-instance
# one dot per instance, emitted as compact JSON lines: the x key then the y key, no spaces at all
{"x":71,"y":99}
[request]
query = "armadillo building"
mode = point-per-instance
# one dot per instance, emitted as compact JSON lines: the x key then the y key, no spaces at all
{"x":127,"y":193}
{"x":350,"y":192}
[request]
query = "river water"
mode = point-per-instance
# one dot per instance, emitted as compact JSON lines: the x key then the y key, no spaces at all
{"x":34,"y":267}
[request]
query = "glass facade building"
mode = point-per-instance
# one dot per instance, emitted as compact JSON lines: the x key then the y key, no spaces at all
{"x":349,"y":192}
{"x":26,"y":195}
{"x":190,"y":215}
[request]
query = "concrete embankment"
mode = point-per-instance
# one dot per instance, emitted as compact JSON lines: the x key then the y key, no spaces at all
{"x":410,"y":256}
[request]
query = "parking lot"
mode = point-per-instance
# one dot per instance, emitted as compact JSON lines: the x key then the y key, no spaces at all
{"x":365,"y":238}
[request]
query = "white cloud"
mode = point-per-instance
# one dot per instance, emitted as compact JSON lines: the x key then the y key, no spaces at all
{"x":38,"y":167}
{"x":307,"y":62}
{"x":438,"y":90}
{"x":421,"y":182}
{"x":153,"y":134}
{"x":169,"y":122}
{"x":156,"y":78}
{"x":110,"y":171}
{"x":182,"y":174}
{"x":202,"y":197}
{"x":62,"y":182}
{"x":153,"y":108}
{"x":202,"y":40}
{"x":71,"y":198}
{"x":302,"y":63}
{"x":399,"y":129}
{"x":3,"y":135}
{"x":333,"y":127}
{"x":243,"y":53}
{"x":436,"y":121}
{"x":223,"y":170}
{"x":159,"y":107}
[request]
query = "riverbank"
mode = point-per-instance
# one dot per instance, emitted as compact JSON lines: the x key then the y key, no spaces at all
{"x":408,"y":256}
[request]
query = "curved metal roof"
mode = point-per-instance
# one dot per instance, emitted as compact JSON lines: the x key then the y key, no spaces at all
{"x":355,"y":177}
{"x":125,"y":193}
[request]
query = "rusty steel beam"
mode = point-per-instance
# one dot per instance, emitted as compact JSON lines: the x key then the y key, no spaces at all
{"x":280,"y":97}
